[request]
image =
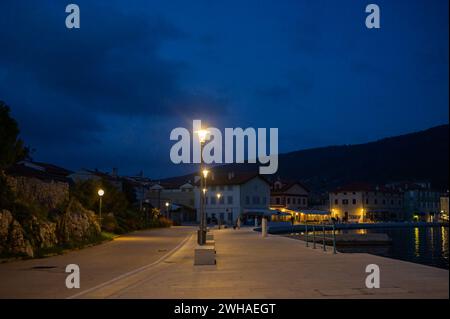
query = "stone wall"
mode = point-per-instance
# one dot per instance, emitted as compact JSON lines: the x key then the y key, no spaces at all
{"x":50,"y":194}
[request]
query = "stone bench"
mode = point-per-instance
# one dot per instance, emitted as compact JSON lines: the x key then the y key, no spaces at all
{"x":205,"y":255}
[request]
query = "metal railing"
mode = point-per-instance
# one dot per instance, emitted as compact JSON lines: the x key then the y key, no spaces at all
{"x":320,"y":228}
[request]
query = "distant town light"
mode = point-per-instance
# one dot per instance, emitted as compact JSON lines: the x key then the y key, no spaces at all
{"x":101,"y":192}
{"x":167,"y":204}
{"x":219,"y":195}
{"x":204,"y":190}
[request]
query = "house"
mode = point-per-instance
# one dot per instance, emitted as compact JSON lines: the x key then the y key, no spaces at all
{"x":421,"y":202}
{"x":361,"y":202}
{"x":140,"y":186}
{"x":230,"y":196}
{"x":290,"y":195}
{"x":174,"y":198}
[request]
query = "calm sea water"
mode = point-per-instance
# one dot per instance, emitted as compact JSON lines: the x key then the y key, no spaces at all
{"x":424,"y":245}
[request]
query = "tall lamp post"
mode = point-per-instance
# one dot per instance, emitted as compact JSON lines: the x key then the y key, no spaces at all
{"x":100,"y":193}
{"x":219,"y":195}
{"x":201,"y":235}
{"x":167,"y":209}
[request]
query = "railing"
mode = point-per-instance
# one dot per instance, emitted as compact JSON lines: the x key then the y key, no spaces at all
{"x":320,"y":229}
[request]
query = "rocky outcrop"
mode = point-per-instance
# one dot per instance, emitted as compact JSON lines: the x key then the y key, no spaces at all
{"x":12,"y":237}
{"x":42,"y":233}
{"x":74,"y":227}
{"x":77,"y":225}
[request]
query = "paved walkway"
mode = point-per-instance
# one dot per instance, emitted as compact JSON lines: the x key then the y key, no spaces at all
{"x":249,"y":266}
{"x":99,"y":265}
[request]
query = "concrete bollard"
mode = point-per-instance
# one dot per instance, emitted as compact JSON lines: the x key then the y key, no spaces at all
{"x":264,"y":227}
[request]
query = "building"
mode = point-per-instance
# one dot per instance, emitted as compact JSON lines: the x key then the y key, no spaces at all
{"x":444,"y":207}
{"x":174,"y":198}
{"x":421,"y":202}
{"x":359,"y":202}
{"x":289,"y":195}
{"x":230,"y":196}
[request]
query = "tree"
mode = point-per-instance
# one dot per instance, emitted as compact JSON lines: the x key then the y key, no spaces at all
{"x":11,"y":146}
{"x":11,"y":151}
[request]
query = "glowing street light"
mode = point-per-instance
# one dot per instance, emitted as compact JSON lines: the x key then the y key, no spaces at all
{"x":202,"y":135}
{"x":201,"y":235}
{"x":100,"y":193}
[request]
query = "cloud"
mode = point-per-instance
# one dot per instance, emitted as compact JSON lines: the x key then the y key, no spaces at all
{"x":111,"y":64}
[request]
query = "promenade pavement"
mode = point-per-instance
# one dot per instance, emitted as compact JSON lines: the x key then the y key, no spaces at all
{"x":249,"y":266}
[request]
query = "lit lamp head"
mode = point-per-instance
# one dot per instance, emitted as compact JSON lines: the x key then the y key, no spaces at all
{"x":204,"y":190}
{"x":167,"y":204}
{"x":205,"y":173}
{"x":202,"y":135}
{"x":219,"y":195}
{"x":101,"y":192}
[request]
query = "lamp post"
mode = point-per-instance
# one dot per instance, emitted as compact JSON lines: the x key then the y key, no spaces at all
{"x":100,"y":193}
{"x":167,"y":209}
{"x":218,"y":203}
{"x":201,"y":235}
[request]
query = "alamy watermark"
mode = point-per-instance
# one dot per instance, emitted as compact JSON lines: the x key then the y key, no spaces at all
{"x":230,"y":149}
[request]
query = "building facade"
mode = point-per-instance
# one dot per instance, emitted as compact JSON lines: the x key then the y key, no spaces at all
{"x":444,"y":207}
{"x":229,"y":197}
{"x":366,"y":203}
{"x":174,"y":199}
{"x":288,"y":195}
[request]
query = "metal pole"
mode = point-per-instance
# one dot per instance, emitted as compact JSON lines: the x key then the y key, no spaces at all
{"x":314,"y":237}
{"x":306,"y":232}
{"x":334,"y":240}
{"x":100,"y":212}
{"x":323,"y":239}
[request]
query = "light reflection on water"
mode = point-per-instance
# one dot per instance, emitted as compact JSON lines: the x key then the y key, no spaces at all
{"x":424,"y":245}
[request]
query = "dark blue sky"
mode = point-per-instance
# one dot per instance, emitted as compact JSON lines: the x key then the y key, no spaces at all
{"x":108,"y":95}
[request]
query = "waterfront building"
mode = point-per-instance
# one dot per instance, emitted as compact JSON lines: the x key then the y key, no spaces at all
{"x":361,"y":202}
{"x":444,"y":207}
{"x":289,"y":195}
{"x":421,"y":202}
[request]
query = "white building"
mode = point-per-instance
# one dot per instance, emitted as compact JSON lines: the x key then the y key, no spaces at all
{"x":230,"y":196}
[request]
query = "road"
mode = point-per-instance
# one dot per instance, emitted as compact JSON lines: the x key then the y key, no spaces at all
{"x":99,"y":265}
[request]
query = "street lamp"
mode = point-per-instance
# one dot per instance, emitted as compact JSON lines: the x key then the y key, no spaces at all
{"x":201,"y":235}
{"x":100,"y":193}
{"x":167,"y":209}
{"x":218,"y":202}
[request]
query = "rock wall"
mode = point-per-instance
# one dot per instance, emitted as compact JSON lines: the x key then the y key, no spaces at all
{"x":73,"y":227}
{"x":50,"y":194}
{"x":12,"y":237}
{"x":77,"y":224}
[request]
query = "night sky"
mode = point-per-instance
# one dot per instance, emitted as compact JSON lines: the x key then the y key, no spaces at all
{"x":108,"y":94}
